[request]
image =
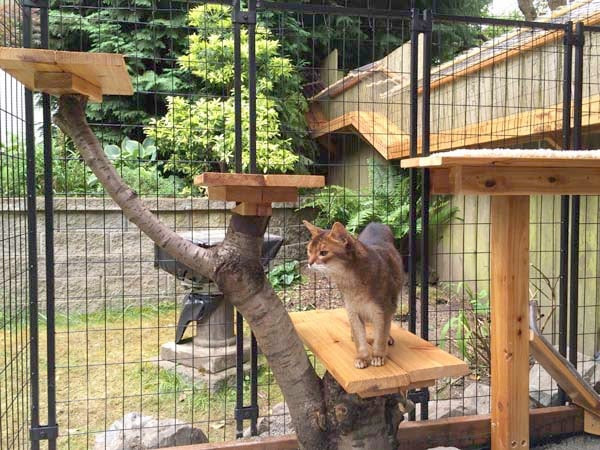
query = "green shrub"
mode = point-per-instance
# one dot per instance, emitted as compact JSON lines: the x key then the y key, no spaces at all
{"x":471,"y":327}
{"x":386,"y":200}
{"x":200,"y":131}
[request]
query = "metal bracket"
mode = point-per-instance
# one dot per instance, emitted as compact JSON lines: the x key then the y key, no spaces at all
{"x":420,"y":24}
{"x":420,"y":396}
{"x":246,"y":413}
{"x":35,"y":3}
{"x":244,"y":17}
{"x":43,"y":433}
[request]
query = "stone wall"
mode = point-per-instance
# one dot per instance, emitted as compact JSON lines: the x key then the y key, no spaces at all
{"x":102,"y":260}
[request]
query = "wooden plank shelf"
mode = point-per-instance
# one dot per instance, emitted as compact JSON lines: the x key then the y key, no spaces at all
{"x":512,"y":172}
{"x":57,"y":72}
{"x":255,"y":192}
{"x":411,"y":363}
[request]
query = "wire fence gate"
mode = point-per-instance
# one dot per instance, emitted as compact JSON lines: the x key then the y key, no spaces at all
{"x":94,"y":317}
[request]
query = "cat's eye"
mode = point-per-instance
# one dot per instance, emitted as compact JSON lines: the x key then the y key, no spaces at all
{"x":323,"y":253}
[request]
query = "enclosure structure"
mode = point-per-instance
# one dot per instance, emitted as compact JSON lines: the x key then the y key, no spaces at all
{"x":115,"y":310}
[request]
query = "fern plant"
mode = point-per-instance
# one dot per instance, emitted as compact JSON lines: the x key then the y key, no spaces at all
{"x":385,"y":200}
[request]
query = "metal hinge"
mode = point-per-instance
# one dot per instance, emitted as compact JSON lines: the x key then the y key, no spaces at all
{"x":246,"y":413}
{"x":43,"y":433}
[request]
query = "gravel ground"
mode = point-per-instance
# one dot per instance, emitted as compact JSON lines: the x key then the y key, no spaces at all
{"x":584,"y":442}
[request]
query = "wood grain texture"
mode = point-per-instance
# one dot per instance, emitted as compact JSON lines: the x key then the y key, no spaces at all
{"x":591,"y":423}
{"x":475,"y":431}
{"x":509,"y":250}
{"x":104,"y":70}
{"x":374,"y":128}
{"x":503,"y":180}
{"x":564,"y":374}
{"x":449,"y":160}
{"x":58,"y":83}
{"x":411,"y":361}
{"x":253,"y":194}
{"x":246,"y":179}
{"x":253,"y":209}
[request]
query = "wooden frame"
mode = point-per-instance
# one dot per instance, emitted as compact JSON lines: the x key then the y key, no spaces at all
{"x":460,"y":432}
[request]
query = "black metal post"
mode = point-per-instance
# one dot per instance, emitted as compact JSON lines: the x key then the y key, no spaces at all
{"x":564,"y":200}
{"x":32,"y":260}
{"x":425,"y":134}
{"x":413,"y":179}
{"x":49,"y":248}
{"x":575,"y":203}
{"x":253,"y":169}
{"x":414,"y":111}
{"x":239,"y":336}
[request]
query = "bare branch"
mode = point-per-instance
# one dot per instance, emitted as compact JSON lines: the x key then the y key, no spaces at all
{"x":70,"y":118}
{"x":528,"y":9}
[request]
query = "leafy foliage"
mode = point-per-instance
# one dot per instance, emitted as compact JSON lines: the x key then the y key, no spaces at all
{"x":471,"y":327}
{"x":285,"y":275}
{"x":150,"y":33}
{"x":386,"y":200}
{"x":135,"y":162}
{"x":200,"y":131}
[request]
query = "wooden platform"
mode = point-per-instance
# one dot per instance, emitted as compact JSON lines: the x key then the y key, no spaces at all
{"x":412,"y":362}
{"x":255,"y":192}
{"x":57,"y":72}
{"x":512,"y":172}
{"x":374,"y":128}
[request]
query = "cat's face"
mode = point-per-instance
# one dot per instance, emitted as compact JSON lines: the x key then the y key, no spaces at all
{"x":329,"y":251}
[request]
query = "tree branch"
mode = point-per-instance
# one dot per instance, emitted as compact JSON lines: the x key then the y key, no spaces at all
{"x":236,"y":268}
{"x":70,"y":118}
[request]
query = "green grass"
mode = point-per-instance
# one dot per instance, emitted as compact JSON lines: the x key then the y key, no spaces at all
{"x":105,"y":370}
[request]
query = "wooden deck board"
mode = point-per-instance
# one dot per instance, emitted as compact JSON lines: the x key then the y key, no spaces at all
{"x":411,"y":361}
{"x":508,"y":158}
{"x":105,"y":71}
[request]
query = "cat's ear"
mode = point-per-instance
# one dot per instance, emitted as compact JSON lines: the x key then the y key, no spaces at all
{"x":338,"y":231}
{"x":314,"y":230}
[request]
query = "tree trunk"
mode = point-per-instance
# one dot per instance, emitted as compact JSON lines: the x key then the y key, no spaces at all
{"x":555,"y":4}
{"x":528,"y":9}
{"x":324,"y":415}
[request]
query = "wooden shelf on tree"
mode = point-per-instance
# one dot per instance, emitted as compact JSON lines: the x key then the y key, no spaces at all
{"x":255,"y":192}
{"x":411,"y":362}
{"x":512,"y":172}
{"x":57,"y":72}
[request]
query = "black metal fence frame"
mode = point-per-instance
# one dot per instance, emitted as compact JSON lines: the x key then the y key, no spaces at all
{"x":421,"y":23}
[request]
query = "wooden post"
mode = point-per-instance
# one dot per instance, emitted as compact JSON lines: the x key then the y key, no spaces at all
{"x":510,"y":324}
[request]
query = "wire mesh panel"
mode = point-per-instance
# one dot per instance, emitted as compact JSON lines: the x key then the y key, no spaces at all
{"x":146,"y":350}
{"x":14,"y":297}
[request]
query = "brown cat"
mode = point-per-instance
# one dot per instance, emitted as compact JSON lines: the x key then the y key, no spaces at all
{"x":368,"y":272}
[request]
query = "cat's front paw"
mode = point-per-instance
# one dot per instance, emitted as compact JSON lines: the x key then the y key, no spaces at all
{"x":361,"y":363}
{"x":378,"y":361}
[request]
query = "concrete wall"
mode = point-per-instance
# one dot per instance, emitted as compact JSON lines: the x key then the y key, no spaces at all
{"x":102,"y":260}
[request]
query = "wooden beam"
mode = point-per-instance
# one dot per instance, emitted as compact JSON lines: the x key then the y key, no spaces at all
{"x":253,"y":194}
{"x":59,"y":83}
{"x":288,"y":441}
{"x":516,"y":180}
{"x":526,"y":126}
{"x":246,"y":179}
{"x":508,"y":158}
{"x":509,"y":291}
{"x":374,"y":128}
{"x":459,"y":432}
{"x":253,"y":209}
{"x":475,"y":431}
